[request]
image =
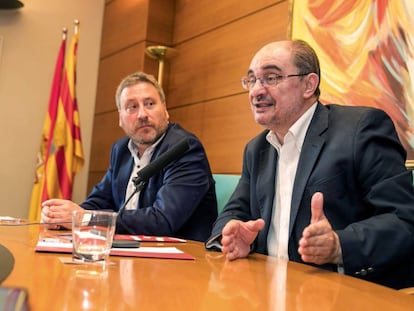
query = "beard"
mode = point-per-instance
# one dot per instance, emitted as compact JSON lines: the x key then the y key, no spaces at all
{"x":148,"y":135}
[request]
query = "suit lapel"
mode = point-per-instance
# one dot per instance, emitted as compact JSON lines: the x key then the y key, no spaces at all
{"x":311,"y":149}
{"x":265,"y":185}
{"x":125,"y":172}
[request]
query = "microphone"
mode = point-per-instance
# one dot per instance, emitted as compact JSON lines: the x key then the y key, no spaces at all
{"x":162,"y":161}
{"x":155,"y":166}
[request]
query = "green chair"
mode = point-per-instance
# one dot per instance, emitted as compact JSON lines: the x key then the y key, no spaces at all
{"x":225,"y":185}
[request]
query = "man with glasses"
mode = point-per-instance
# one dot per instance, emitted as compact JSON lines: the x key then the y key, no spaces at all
{"x":324,"y":185}
{"x":178,"y":201}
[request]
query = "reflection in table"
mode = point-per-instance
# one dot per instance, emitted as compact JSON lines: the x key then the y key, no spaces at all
{"x":207,"y":283}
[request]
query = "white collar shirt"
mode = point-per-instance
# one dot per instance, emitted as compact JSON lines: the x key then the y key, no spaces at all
{"x":139,"y":164}
{"x":289,"y":152}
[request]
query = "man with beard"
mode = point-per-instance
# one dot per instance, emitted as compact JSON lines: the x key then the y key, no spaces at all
{"x":178,"y":201}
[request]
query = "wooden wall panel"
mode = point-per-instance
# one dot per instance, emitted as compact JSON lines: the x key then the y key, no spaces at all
{"x":210,"y":66}
{"x":191,"y":118}
{"x":114,"y":68}
{"x":106,"y":131}
{"x":224,"y":126}
{"x":228,"y":126}
{"x":125,"y":23}
{"x":93,"y":179}
{"x":197,"y":17}
{"x":161,"y":16}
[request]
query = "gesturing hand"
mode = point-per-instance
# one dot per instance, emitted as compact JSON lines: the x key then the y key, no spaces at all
{"x":237,"y":236}
{"x":319,"y":243}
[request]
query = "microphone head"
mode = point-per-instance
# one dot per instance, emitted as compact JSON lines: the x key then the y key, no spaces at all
{"x":162,"y":161}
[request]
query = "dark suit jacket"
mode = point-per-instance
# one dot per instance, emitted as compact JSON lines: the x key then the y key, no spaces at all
{"x":353,"y":156}
{"x":179,"y":201}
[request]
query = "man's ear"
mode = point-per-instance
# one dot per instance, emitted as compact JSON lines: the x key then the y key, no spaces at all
{"x":312,"y":82}
{"x":167,"y":115}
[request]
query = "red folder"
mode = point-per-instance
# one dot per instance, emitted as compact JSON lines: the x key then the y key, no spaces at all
{"x":59,"y":245}
{"x":147,"y":238}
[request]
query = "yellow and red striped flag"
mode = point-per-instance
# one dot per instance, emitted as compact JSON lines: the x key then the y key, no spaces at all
{"x":61,"y":154}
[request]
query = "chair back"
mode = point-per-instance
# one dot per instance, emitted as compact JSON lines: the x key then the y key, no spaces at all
{"x":225,"y":186}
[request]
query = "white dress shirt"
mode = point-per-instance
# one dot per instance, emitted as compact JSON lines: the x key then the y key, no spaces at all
{"x":289,"y":152}
{"x":139,"y":164}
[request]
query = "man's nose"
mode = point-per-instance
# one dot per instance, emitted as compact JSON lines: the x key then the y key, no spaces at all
{"x":142,"y":113}
{"x":257,"y":89}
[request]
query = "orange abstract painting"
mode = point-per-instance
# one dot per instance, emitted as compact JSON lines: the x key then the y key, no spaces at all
{"x":366,"y":50}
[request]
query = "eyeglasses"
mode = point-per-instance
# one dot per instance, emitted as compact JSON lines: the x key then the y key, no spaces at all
{"x":267,"y":80}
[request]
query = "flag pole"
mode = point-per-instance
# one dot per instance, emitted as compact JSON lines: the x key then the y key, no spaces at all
{"x":64,"y":33}
{"x":76,"y":22}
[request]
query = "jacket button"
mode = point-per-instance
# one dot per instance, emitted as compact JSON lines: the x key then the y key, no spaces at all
{"x":363,"y":272}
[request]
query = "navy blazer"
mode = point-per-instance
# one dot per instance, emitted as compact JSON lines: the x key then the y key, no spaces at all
{"x":179,"y":201}
{"x":354,"y":157}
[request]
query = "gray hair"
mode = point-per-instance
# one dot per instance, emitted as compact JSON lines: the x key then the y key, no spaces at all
{"x":135,"y":78}
{"x":306,"y":60}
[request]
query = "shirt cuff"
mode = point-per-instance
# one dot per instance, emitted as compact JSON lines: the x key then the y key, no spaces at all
{"x":214,"y":243}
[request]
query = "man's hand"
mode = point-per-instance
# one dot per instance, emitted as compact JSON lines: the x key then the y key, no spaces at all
{"x":319,"y":243}
{"x":58,"y":211}
{"x":237,"y":236}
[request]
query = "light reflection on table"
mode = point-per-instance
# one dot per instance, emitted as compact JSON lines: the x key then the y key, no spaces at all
{"x":207,"y":283}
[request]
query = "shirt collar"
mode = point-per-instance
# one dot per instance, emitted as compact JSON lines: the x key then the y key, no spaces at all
{"x":147,"y":153}
{"x":297,"y":130}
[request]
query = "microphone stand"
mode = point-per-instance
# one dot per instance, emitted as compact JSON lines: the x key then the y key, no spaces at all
{"x":139,"y":184}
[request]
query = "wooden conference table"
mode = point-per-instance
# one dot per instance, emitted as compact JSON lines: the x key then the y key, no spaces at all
{"x":207,"y":283}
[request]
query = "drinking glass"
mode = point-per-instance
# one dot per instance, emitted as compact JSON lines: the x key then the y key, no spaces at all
{"x":92,"y":235}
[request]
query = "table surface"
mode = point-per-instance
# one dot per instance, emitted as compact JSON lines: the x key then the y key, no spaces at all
{"x":207,"y":283}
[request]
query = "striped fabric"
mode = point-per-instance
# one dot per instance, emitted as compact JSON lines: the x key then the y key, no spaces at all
{"x":61,"y":154}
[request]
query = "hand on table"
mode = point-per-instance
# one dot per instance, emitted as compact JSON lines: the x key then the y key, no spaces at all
{"x":58,"y":211}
